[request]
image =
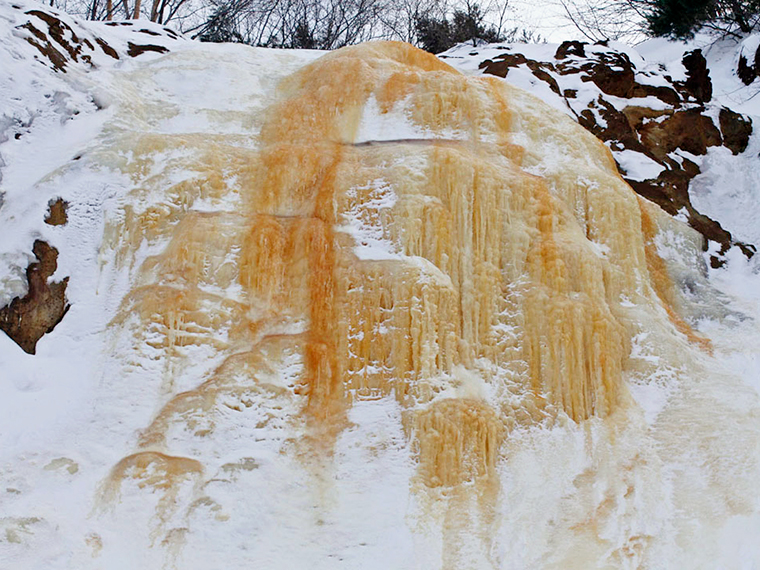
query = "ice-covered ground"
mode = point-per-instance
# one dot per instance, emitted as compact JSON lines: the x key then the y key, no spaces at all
{"x":669,"y":484}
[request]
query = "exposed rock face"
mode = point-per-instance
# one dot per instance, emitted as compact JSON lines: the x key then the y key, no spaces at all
{"x":135,"y":49}
{"x":748,"y":68}
{"x":698,"y":81}
{"x":687,"y":130}
{"x":57,"y":212}
{"x":28,"y":318}
{"x":61,"y":45}
{"x":736,"y":130}
{"x":669,"y":135}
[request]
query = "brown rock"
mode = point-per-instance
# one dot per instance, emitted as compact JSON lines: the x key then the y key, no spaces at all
{"x":58,"y":30}
{"x":747,"y":71}
{"x":736,"y":130}
{"x":698,"y":83}
{"x":57,"y":215}
{"x":62,"y":34}
{"x":59,"y":43}
{"x":572,"y":47}
{"x":26,"y":319}
{"x":637,"y":115}
{"x":688,"y":130}
{"x":540,"y":73}
{"x":614,"y":75}
{"x":664,"y":94}
{"x":670,"y":191}
{"x":44,"y":46}
{"x":108,"y":50}
{"x":499,"y":66}
{"x":655,"y":133}
{"x":135,"y":50}
{"x":615,"y":127}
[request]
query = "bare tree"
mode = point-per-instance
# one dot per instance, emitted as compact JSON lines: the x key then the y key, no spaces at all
{"x":398,"y":21}
{"x":161,"y":11}
{"x":494,"y":12}
{"x":318,"y":24}
{"x":600,"y":20}
{"x":321,"y":24}
{"x":633,"y":20}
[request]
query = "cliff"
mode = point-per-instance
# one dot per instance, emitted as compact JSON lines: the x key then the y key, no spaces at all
{"x":369,"y":309}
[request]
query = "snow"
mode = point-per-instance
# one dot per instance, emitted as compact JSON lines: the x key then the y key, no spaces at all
{"x":638,"y":166}
{"x":737,"y":181}
{"x":68,"y":413}
{"x":364,"y":223}
{"x":70,"y":407}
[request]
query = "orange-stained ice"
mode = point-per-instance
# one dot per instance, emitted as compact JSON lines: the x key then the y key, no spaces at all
{"x":496,"y":281}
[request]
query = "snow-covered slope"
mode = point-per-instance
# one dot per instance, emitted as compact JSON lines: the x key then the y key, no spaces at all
{"x":526,"y":380}
{"x":56,"y":97}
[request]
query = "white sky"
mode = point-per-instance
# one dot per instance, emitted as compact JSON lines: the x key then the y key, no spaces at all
{"x":546,"y":18}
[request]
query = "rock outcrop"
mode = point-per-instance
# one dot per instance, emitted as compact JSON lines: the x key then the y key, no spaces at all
{"x":748,"y":68}
{"x":62,"y":42}
{"x":646,"y":117}
{"x":26,"y":319}
{"x":57,"y":213}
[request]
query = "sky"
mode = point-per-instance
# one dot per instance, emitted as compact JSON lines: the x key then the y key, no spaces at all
{"x":550,"y":20}
{"x":546,"y":18}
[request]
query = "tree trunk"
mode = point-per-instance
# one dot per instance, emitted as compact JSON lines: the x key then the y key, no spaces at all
{"x":109,"y":10}
{"x":739,"y":16}
{"x":137,"y":10}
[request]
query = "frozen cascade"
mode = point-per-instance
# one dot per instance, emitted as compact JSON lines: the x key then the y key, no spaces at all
{"x":325,"y":347}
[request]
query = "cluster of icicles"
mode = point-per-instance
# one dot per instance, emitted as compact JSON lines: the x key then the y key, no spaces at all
{"x":517,"y":266}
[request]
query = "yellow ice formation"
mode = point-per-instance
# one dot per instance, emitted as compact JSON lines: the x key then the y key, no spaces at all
{"x":478,"y":266}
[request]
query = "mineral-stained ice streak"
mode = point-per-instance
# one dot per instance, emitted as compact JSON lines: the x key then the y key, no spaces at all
{"x":505,"y":245}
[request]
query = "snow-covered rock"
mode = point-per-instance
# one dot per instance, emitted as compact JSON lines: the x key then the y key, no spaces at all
{"x":659,"y":120}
